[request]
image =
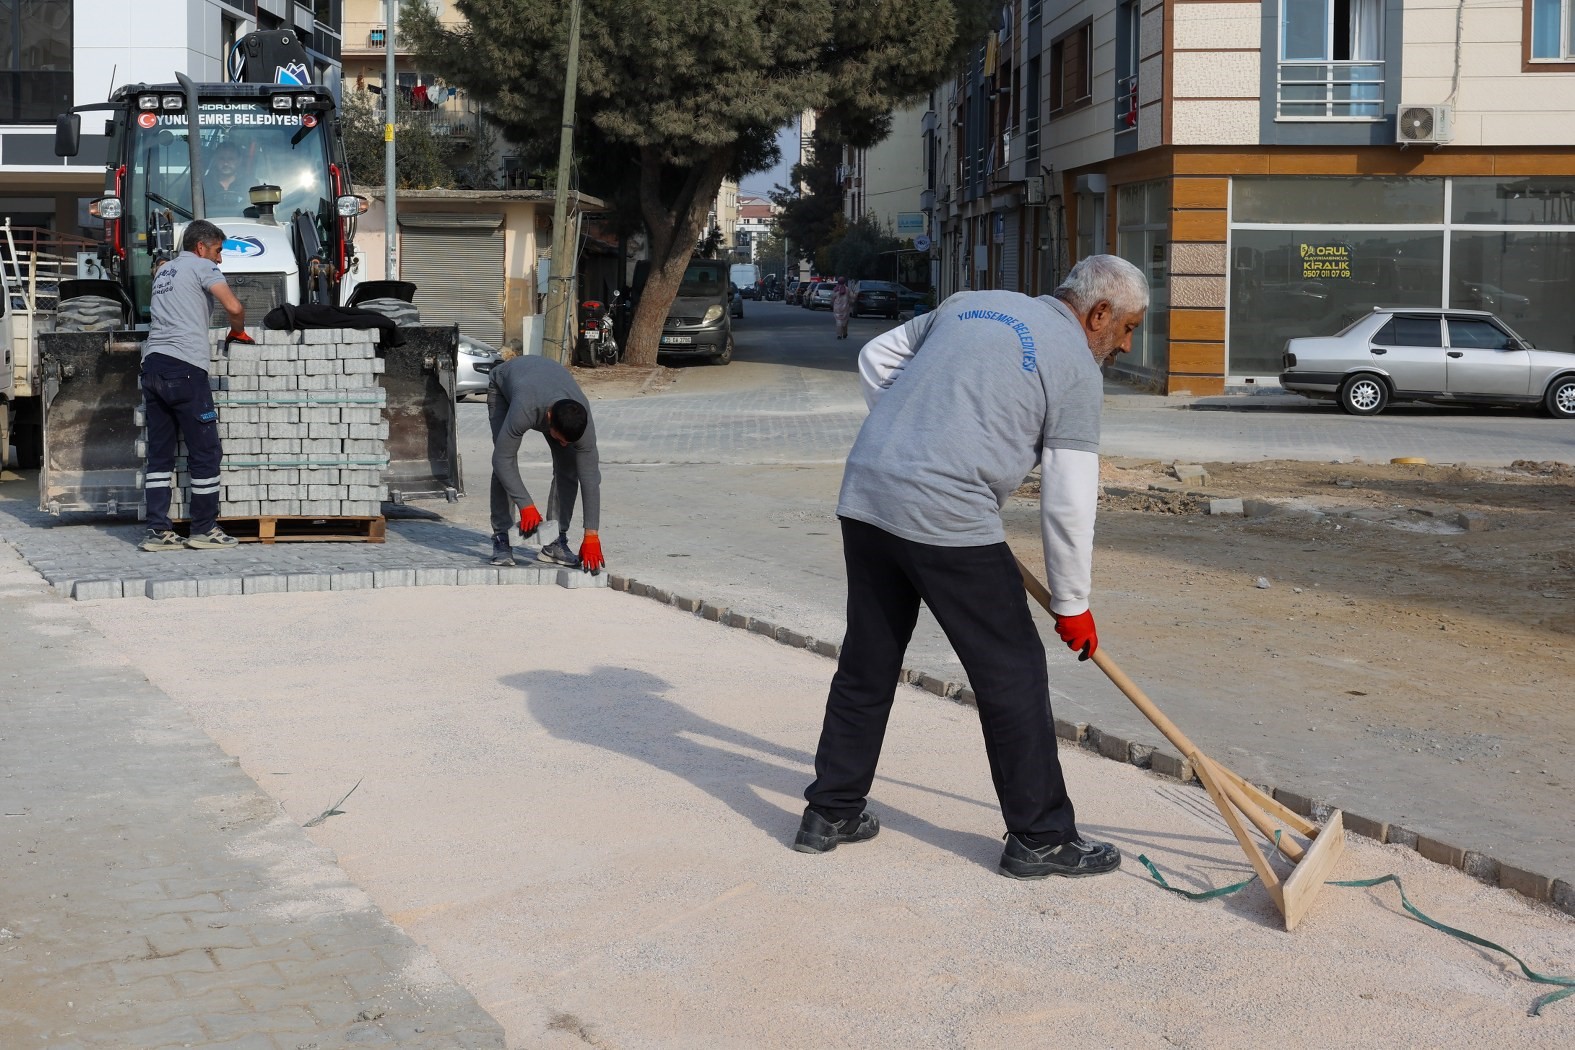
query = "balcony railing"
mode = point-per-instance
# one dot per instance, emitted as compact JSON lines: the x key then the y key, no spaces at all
{"x":362,"y":37}
{"x":1331,"y":91}
{"x":1126,"y":103}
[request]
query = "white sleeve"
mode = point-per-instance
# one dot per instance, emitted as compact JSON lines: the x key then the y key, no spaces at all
{"x":1068,"y":498}
{"x":884,"y":357}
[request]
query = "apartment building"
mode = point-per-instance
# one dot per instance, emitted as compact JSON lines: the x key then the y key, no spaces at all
{"x":1275,"y":168}
{"x":755,"y":215}
{"x":885,"y":181}
{"x":65,"y":53}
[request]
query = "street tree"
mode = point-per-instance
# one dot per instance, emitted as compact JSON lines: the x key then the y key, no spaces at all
{"x":682,"y":96}
{"x":423,"y":161}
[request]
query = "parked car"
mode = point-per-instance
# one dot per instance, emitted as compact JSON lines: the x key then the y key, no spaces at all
{"x":476,"y":362}
{"x":820,"y":298}
{"x":698,"y":323}
{"x":908,"y":299}
{"x":790,"y":290}
{"x":1413,"y":354}
{"x":807,"y":289}
{"x":877,"y":297}
{"x":735,"y":299}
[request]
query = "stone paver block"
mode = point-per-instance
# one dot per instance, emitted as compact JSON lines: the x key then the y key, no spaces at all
{"x":1367,"y":827}
{"x":352,"y":581}
{"x":437,"y":577}
{"x":1563,"y":896}
{"x":688,"y":605}
{"x":1481,"y":867}
{"x":713,"y":612}
{"x":526,"y":575}
{"x":638,"y":589}
{"x":394,"y":578}
{"x":1226,"y":508}
{"x":1169,"y":765}
{"x":827,"y":647}
{"x":1440,"y":852}
{"x":660,"y":596}
{"x":306,"y":581}
{"x":738,"y":620}
{"x":172,"y":589}
{"x":575,"y":579}
{"x":1074,"y":732}
{"x":764,"y":627}
{"x":1141,"y":755}
{"x":617,"y":582}
{"x":264,"y":585}
{"x":1471,"y":520}
{"x":793,"y":638}
{"x":1400,"y":836}
{"x":1528,"y":883}
{"x":476,"y":577}
{"x":95,"y":590}
{"x":207,"y":586}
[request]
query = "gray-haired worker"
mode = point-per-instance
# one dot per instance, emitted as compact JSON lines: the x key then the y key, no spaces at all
{"x":963,"y":402}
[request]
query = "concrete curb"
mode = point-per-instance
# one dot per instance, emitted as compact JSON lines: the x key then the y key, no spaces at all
{"x":442,"y":576}
{"x":1158,"y":760}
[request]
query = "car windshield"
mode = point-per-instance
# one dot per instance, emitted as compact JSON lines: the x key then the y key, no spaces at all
{"x":703,"y":281}
{"x":877,"y":286}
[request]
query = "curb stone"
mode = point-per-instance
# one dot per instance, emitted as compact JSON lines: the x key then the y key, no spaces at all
{"x":1478,"y":865}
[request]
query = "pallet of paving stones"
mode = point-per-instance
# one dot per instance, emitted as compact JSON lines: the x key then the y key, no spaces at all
{"x":274,"y":528}
{"x":304,"y":436}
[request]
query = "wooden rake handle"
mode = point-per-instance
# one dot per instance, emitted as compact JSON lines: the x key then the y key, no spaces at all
{"x":1248,"y":797}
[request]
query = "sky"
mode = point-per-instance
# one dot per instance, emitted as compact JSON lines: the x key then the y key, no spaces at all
{"x":762,"y":183}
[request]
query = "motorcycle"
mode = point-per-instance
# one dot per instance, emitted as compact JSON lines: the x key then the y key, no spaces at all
{"x":597,"y":345}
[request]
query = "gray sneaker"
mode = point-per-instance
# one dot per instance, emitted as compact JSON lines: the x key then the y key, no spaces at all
{"x":215,"y":539}
{"x":558,"y":553}
{"x":502,"y":553}
{"x":162,"y":540}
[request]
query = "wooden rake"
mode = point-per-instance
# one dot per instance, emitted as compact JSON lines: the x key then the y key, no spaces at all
{"x":1236,"y":798}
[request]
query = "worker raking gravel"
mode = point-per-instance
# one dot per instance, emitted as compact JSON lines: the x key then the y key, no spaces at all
{"x":963,"y":401}
{"x":537,"y":393}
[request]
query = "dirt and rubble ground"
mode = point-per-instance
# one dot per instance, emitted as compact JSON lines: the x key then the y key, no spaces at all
{"x":1396,"y":608}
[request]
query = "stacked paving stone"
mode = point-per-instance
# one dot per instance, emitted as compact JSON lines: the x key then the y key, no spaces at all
{"x":301,"y":419}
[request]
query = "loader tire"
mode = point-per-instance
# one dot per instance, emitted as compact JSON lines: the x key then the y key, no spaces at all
{"x":401,"y":312}
{"x":88,"y":313}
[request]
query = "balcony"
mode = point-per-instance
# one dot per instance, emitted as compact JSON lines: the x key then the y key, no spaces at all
{"x":1012,"y":159}
{"x":455,"y":117}
{"x":367,"y":38}
{"x":1330,"y":91}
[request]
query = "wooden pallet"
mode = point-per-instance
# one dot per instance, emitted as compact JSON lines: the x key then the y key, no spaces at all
{"x":279,"y":528}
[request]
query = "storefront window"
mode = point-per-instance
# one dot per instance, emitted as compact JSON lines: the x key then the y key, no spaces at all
{"x":1316,"y":201}
{"x":1296,"y":281}
{"x":1522,"y":276}
{"x":1537,"y":201}
{"x":1142,"y":212}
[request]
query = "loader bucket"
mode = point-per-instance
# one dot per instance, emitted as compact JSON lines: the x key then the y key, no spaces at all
{"x":423,"y":440}
{"x":91,"y":394}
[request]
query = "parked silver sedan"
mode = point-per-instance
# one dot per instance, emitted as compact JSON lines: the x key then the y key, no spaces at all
{"x":1418,"y":354}
{"x":476,"y":362}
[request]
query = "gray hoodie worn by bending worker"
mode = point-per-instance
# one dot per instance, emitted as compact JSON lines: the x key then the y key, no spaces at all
{"x":522,"y":391}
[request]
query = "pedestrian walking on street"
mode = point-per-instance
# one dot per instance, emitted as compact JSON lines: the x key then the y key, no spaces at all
{"x":175,"y":393}
{"x":842,"y":306}
{"x":537,"y":393}
{"x":963,"y":402}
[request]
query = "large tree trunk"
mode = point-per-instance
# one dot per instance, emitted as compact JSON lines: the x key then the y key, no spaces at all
{"x":673,"y":229}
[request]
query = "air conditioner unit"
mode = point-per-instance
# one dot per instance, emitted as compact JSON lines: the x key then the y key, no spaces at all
{"x":1424,"y":125}
{"x":1034,"y":190}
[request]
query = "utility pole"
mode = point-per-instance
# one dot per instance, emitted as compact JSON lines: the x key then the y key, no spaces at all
{"x":563,"y":240}
{"x":390,"y":179}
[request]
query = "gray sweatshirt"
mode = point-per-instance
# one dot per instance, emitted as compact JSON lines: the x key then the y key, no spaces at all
{"x":529,"y":385}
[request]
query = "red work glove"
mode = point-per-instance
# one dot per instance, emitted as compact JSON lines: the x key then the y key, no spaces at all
{"x":237,"y":337}
{"x":591,"y":559}
{"x":530,"y":521}
{"x":1078,"y":633}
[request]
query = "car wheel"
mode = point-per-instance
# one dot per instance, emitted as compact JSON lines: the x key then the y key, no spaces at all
{"x":1364,"y":395}
{"x":1560,"y":400}
{"x":727,"y":352}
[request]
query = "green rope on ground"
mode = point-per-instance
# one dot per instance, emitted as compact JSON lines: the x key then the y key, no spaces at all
{"x":1566,"y":984}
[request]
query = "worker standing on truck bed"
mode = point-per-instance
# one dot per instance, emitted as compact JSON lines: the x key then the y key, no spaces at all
{"x":175,"y":393}
{"x":537,"y":393}
{"x":963,"y":402}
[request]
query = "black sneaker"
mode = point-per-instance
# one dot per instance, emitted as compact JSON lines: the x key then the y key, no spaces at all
{"x":502,"y":553}
{"x":558,"y":553}
{"x":1073,"y":859}
{"x":816,"y":834}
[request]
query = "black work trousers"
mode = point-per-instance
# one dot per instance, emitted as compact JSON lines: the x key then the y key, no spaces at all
{"x":178,"y":402}
{"x":976,"y":594}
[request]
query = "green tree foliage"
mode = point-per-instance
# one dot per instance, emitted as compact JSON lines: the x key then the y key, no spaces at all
{"x":674,"y":97}
{"x":423,"y":161}
{"x":865,"y":250}
{"x":809,"y":212}
{"x":770,"y":253}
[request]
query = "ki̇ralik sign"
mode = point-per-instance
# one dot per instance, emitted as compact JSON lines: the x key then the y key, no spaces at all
{"x":1326,"y":261}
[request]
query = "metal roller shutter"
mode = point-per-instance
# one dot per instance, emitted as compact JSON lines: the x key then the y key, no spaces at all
{"x":456,"y":263}
{"x":1012,"y":237}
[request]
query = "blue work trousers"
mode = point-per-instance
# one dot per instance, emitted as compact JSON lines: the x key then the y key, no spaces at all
{"x":178,"y":402}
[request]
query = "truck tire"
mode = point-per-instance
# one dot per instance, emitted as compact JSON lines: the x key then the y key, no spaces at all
{"x":88,"y":313}
{"x":401,"y":312}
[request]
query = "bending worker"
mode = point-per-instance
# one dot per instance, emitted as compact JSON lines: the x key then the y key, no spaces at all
{"x":963,"y":401}
{"x":537,"y":393}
